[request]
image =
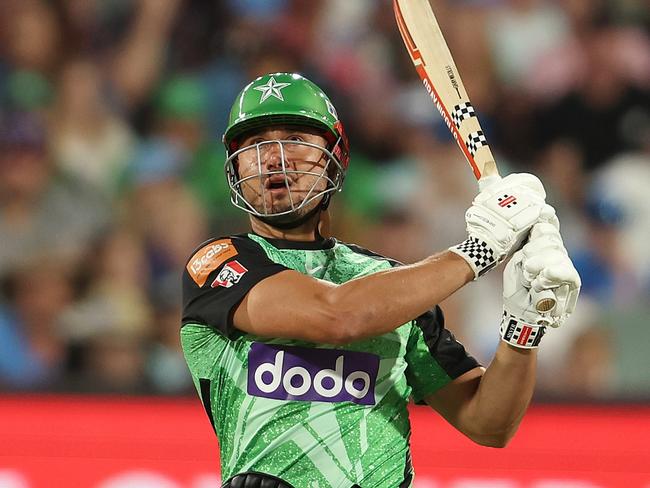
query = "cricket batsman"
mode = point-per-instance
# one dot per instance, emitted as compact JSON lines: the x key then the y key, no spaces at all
{"x":305,"y":350}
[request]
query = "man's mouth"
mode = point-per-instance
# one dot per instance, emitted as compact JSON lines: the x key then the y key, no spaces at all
{"x":276,"y":183}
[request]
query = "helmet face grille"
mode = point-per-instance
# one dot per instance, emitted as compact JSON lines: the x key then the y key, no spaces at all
{"x":331,"y":173}
{"x":284,"y":99}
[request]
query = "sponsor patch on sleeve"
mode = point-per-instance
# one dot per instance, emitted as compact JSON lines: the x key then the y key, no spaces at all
{"x":209,"y":258}
{"x":229,"y":275}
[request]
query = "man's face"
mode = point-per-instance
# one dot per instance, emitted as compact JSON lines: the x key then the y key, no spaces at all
{"x":25,"y":171}
{"x":279,"y":176}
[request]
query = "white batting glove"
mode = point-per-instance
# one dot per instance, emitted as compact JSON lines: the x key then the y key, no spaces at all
{"x":541,"y":268}
{"x":547,"y":266}
{"x":500,"y":218}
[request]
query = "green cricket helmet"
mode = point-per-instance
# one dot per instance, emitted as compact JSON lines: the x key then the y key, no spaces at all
{"x":284,"y":99}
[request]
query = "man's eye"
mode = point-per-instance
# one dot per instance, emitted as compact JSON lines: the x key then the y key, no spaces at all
{"x":295,"y":138}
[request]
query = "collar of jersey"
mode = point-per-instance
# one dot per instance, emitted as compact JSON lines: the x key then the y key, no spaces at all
{"x":317,"y":245}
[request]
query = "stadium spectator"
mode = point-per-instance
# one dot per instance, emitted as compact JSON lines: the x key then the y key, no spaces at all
{"x":42,"y":211}
{"x":34,"y":350}
{"x":103,"y":75}
{"x":87,"y":139}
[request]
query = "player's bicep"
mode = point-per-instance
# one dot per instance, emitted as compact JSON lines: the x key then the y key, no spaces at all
{"x":289,"y":305}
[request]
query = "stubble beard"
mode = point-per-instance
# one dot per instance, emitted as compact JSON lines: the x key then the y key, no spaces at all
{"x":284,"y":205}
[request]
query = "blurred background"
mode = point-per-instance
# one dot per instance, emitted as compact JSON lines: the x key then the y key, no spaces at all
{"x":111,"y":169}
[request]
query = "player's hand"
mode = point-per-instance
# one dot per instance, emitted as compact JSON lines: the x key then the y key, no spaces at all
{"x":541,"y":265}
{"x":546,"y":266}
{"x":501,"y":217}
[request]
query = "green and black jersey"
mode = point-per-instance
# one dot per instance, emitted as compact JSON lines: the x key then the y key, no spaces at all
{"x":316,"y":415}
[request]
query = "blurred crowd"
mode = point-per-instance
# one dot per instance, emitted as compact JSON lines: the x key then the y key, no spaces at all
{"x":111,"y":168}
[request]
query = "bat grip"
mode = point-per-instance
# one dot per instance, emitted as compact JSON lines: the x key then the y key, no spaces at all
{"x":489,"y":175}
{"x":544,"y":301}
{"x":490,"y":169}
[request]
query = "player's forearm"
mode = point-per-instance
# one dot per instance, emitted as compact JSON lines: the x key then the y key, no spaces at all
{"x":380,"y":302}
{"x":502,"y":397}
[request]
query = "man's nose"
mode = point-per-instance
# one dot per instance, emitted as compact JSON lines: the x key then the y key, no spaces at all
{"x":272,"y":156}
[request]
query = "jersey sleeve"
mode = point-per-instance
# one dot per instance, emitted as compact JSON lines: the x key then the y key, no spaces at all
{"x":217,"y":278}
{"x":434,"y":357}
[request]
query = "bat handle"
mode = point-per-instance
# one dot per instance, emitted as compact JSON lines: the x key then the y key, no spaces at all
{"x":489,"y":175}
{"x":489,"y":169}
{"x":544,"y":301}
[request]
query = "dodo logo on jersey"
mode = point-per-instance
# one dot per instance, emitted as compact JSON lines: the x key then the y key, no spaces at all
{"x":209,"y":258}
{"x":310,"y":374}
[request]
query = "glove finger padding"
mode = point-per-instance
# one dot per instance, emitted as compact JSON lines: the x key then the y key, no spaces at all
{"x":543,"y":235}
{"x":548,"y":216}
{"x":547,"y":227}
{"x":542,"y":265}
{"x":547,"y":266}
{"x":544,"y":247}
{"x":533,"y":266}
{"x":521,"y":326}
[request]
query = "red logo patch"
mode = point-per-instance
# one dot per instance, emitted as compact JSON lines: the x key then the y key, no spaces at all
{"x":507,"y":201}
{"x":525,"y":334}
{"x":229,"y":275}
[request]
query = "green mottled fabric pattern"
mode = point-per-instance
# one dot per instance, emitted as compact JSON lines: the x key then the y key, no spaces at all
{"x":315,"y":444}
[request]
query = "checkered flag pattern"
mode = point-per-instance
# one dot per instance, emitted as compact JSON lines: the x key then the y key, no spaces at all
{"x":461,"y":112}
{"x":475,"y":140}
{"x":477,"y":253}
{"x":519,"y":333}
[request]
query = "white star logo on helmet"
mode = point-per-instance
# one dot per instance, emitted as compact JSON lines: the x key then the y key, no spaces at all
{"x":272,"y":89}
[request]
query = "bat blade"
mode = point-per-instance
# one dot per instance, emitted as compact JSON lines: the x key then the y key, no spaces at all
{"x":434,"y":64}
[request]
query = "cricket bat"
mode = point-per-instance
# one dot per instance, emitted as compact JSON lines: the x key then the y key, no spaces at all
{"x":434,"y":64}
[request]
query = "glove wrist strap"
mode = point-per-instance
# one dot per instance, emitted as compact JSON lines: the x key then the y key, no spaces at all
{"x":478,"y":254}
{"x":520,"y":333}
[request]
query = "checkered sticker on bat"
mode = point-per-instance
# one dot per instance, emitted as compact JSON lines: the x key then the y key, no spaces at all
{"x":475,"y":141}
{"x":462,"y":111}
